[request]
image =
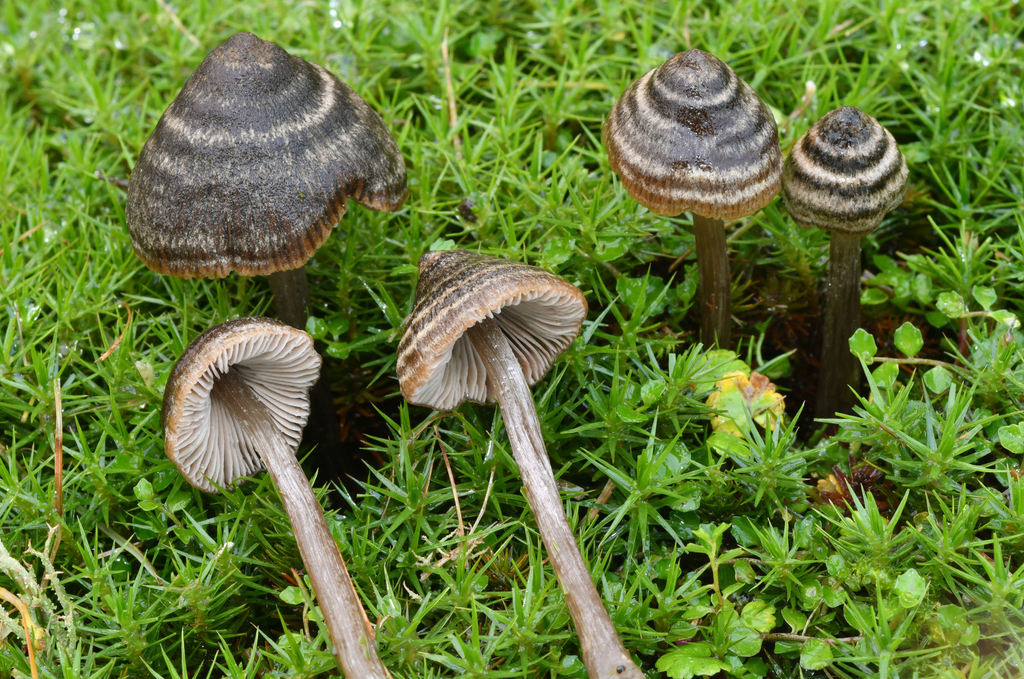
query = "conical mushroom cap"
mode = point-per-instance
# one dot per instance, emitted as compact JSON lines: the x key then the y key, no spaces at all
{"x":539,"y":312}
{"x":250,"y":166}
{"x":691,"y":136}
{"x":844,"y":174}
{"x":201,"y":437}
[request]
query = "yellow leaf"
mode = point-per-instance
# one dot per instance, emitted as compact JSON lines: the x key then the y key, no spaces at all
{"x":737,"y":394}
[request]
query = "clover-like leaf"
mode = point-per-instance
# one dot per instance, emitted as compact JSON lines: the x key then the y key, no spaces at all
{"x":738,"y":395}
{"x":908,"y":339}
{"x":690,"y":661}
{"x":862,"y":345}
{"x":815,"y":654}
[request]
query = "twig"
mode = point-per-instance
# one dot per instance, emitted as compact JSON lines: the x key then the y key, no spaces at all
{"x":117,"y":342}
{"x":839,"y":28}
{"x":487,"y":496}
{"x":922,"y":361}
{"x":119,"y":183}
{"x":451,"y":479}
{"x":28,"y":233}
{"x":177,"y":22}
{"x":571,"y":84}
{"x":58,"y":448}
{"x":780,"y":636}
{"x":453,"y":114}
{"x":30,"y":639}
{"x":606,"y":494}
{"x":305,"y":606}
{"x":686,"y":28}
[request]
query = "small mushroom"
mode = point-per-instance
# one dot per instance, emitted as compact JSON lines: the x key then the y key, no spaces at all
{"x":843,"y":175}
{"x":236,"y":402}
{"x":482,"y":329}
{"x":691,"y":136}
{"x":250,"y":168}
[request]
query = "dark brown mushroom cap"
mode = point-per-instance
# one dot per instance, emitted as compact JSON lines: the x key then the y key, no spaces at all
{"x":251,"y":165}
{"x":844,"y":174}
{"x":691,"y":136}
{"x":539,"y":312}
{"x":203,"y":440}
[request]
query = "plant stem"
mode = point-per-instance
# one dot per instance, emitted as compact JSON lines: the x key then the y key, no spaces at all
{"x":350,"y":632}
{"x":603,"y":653}
{"x":840,"y":369}
{"x":713,"y":276}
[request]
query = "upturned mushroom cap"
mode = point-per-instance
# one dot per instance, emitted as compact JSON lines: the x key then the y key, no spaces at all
{"x":276,"y":361}
{"x":844,"y":174}
{"x":691,"y":136}
{"x":540,"y":314}
{"x":251,"y":165}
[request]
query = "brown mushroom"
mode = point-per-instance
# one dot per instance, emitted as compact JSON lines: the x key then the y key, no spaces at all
{"x":236,"y":402}
{"x":250,"y":168}
{"x":843,"y":175}
{"x":691,"y":136}
{"x":482,"y":329}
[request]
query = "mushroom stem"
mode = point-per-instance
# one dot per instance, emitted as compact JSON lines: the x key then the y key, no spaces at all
{"x":713,"y":280}
{"x":291,"y":296}
{"x":350,"y":632}
{"x":603,"y":653}
{"x":840,"y":369}
{"x":291,"y":300}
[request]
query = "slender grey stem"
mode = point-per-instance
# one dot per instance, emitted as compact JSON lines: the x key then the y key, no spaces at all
{"x":840,"y":369}
{"x":354,"y":647}
{"x":291,"y":302}
{"x":714,"y":284}
{"x":291,"y":296}
{"x":603,"y":653}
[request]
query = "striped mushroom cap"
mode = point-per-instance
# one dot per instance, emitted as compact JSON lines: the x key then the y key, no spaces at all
{"x":844,"y":174}
{"x":540,"y":314}
{"x":250,"y":166}
{"x":690,"y":136}
{"x":200,"y":437}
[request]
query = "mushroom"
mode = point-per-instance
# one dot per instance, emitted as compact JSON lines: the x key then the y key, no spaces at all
{"x":691,"y":136}
{"x":843,"y":175}
{"x":236,"y":402}
{"x":250,"y":167}
{"x":484,"y":328}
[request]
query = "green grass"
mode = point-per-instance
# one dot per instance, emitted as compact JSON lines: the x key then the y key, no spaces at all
{"x":707,"y":539}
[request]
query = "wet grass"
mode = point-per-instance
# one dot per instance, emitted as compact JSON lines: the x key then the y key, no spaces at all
{"x":918,"y":574}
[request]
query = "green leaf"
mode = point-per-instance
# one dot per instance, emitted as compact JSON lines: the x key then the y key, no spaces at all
{"x":862,"y":345}
{"x":443,"y":244}
{"x":316,"y":328}
{"x":1006,"y":318}
{"x":1012,"y":438}
{"x":985,"y":296}
{"x":144,"y":490}
{"x":837,"y":567}
{"x":291,"y":596}
{"x":911,"y":588}
{"x":652,"y":391}
{"x":728,"y":444}
{"x":759,"y":616}
{"x":795,"y":619}
{"x":815,"y":654}
{"x":885,"y":375}
{"x":908,"y":339}
{"x":690,"y":661}
{"x":744,"y":572}
{"x":744,"y":642}
{"x":872,"y":296}
{"x":937,"y":379}
{"x":951,"y":304}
